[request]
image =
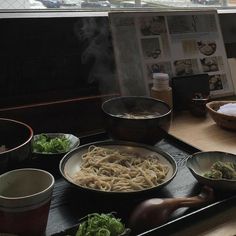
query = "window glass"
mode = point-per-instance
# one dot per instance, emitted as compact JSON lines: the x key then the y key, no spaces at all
{"x":104,"y":5}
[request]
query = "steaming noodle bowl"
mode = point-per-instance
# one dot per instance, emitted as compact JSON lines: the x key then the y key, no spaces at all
{"x":120,"y":171}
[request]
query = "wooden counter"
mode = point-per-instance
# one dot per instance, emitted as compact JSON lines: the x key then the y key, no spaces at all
{"x":221,"y":224}
{"x":202,"y":133}
{"x":205,"y":135}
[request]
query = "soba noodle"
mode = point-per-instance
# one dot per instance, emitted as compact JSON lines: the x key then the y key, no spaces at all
{"x":108,"y":169}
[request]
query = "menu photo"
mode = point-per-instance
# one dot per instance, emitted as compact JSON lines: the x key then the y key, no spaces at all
{"x":177,"y":43}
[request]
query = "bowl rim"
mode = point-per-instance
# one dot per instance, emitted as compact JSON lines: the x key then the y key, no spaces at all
{"x":32,"y":170}
{"x":166,"y":155}
{"x":75,"y":144}
{"x":210,"y":109}
{"x":135,"y":97}
{"x":195,"y":155}
{"x":31,"y":134}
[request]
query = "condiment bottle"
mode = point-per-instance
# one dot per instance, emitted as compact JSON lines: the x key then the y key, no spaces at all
{"x":161,"y":89}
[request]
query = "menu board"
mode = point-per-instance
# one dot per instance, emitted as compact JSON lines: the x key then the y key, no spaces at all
{"x":180,"y":43}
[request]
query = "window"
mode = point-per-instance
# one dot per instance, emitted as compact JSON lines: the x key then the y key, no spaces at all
{"x":104,"y":5}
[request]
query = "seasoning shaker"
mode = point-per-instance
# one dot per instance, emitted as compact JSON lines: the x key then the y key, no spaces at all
{"x":198,"y":105}
{"x":161,"y":89}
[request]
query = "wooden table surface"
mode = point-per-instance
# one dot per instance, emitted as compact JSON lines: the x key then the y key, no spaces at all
{"x":221,"y":224}
{"x":202,"y":133}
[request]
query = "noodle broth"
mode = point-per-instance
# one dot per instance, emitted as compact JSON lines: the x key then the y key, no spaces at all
{"x":139,"y":115}
{"x":109,"y":167}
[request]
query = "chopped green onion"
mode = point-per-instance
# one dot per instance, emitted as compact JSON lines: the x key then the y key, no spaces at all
{"x":47,"y":144}
{"x":101,"y":225}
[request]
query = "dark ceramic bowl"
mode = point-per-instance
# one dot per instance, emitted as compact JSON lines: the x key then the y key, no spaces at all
{"x":15,"y":143}
{"x":137,"y":119}
{"x":201,"y":162}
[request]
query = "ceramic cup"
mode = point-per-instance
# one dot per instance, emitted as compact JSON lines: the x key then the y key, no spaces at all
{"x":25,"y":196}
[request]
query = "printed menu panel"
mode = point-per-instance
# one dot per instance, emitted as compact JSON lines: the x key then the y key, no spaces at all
{"x":179,"y":43}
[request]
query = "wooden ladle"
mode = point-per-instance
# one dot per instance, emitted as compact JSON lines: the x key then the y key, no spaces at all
{"x":156,"y":211}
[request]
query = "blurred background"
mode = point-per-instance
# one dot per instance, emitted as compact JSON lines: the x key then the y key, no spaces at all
{"x":76,"y":4}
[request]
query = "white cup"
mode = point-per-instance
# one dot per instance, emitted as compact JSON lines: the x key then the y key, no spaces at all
{"x":25,"y":197}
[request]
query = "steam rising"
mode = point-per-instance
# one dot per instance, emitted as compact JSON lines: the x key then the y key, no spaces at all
{"x":95,"y":35}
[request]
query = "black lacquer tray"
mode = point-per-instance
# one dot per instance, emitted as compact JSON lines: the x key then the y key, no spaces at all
{"x":69,"y":204}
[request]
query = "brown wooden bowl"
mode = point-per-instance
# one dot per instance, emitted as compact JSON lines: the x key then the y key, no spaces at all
{"x":223,"y":120}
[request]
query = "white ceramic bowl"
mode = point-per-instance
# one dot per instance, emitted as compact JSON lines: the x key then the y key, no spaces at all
{"x":74,"y":142}
{"x":71,"y":163}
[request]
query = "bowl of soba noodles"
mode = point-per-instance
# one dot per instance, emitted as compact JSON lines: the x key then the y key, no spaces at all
{"x":118,"y":167}
{"x":137,"y":119}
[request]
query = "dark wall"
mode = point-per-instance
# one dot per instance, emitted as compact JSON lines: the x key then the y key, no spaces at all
{"x":79,"y":116}
{"x":56,"y":72}
{"x":48,"y":59}
{"x":44,"y":60}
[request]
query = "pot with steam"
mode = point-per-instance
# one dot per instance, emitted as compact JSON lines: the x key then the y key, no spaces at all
{"x":137,"y":119}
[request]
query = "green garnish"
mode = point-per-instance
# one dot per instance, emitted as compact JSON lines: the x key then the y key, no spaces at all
{"x":47,"y":144}
{"x":101,"y":225}
{"x":222,"y":170}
